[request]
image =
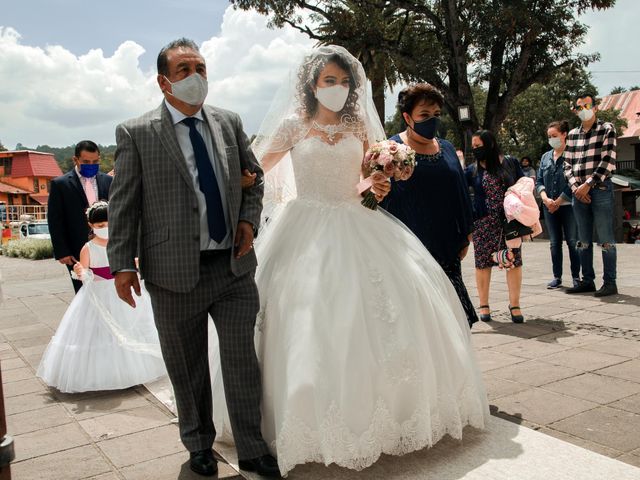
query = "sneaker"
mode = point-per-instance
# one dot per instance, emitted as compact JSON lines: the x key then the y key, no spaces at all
{"x":576,"y":282}
{"x":583,"y":287}
{"x":606,"y":290}
{"x":555,"y":283}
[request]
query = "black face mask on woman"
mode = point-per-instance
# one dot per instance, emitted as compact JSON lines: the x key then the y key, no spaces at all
{"x":479,"y":153}
{"x":427,"y":128}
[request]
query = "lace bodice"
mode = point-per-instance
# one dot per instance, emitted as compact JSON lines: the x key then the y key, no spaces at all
{"x":327,"y":173}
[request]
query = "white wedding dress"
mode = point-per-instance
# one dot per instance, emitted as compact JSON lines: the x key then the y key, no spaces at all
{"x":363,"y":344}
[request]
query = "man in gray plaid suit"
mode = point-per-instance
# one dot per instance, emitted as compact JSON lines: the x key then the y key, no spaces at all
{"x":177,"y":201}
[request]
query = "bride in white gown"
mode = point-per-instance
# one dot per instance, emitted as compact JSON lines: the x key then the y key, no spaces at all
{"x":364,"y":346}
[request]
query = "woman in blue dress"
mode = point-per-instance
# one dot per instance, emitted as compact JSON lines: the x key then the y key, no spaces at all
{"x":434,"y":203}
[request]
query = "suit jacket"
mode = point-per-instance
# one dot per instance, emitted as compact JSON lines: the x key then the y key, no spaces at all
{"x":153,"y":193}
{"x":66,"y":212}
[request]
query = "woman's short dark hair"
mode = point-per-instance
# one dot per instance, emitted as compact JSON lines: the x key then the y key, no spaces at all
{"x":98,"y":212}
{"x":561,"y":125}
{"x":410,"y":96}
{"x":86,"y":146}
{"x":308,"y":78}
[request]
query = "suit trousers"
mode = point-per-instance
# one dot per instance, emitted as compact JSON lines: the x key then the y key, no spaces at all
{"x":181,"y":320}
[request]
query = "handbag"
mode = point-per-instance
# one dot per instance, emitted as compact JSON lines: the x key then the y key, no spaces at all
{"x":514,"y":229}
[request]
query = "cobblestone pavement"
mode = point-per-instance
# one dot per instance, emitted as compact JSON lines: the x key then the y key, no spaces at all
{"x":571,"y":371}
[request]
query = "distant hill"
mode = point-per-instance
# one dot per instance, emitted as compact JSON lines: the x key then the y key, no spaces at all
{"x":63,"y":155}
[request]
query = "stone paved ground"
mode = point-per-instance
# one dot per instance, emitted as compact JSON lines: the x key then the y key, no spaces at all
{"x":572,"y":371}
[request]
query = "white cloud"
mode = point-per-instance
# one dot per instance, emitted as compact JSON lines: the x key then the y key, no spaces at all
{"x":51,"y":96}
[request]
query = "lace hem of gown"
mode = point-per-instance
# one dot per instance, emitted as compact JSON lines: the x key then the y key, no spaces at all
{"x":334,"y":442}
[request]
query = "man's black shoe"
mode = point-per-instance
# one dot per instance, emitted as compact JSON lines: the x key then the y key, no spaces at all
{"x":202,"y":462}
{"x":266,"y":465}
{"x":606,"y":290}
{"x":583,"y":287}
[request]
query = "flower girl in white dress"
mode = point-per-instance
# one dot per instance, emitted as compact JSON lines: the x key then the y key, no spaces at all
{"x":101,"y":343}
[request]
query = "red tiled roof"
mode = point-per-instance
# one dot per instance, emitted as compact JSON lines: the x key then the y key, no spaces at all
{"x":6,"y":188}
{"x":41,"y":198}
{"x":27,"y":163}
{"x":629,"y":105}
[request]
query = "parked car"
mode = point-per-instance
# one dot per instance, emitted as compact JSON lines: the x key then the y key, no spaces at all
{"x":35,"y":230}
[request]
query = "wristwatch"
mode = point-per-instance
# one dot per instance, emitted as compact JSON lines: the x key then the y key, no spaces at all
{"x":589,"y":181}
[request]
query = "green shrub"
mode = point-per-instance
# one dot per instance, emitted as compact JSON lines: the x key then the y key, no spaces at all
{"x":32,"y":248}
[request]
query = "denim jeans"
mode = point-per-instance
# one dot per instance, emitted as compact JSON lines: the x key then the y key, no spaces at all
{"x":599,"y":214}
{"x":562,"y":223}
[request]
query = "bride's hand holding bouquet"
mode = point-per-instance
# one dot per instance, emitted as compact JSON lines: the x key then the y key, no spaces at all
{"x":382,"y":161}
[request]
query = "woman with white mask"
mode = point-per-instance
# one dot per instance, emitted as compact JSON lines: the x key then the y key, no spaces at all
{"x":363,"y":343}
{"x":555,"y":193}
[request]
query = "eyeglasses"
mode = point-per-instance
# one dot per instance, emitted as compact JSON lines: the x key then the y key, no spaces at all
{"x":586,"y":106}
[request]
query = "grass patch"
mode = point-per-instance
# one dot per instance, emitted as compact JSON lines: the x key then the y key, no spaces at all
{"x":31,"y":248}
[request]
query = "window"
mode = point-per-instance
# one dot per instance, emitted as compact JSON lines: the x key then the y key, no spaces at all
{"x":6,"y":163}
{"x":36,"y":185}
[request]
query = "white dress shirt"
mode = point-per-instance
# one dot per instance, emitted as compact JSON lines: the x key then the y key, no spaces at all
{"x":182,"y":133}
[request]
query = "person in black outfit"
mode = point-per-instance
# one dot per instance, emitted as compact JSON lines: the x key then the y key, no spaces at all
{"x":434,"y":203}
{"x":69,"y":196}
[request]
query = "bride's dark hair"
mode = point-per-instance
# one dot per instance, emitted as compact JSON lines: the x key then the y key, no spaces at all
{"x":308,"y":77}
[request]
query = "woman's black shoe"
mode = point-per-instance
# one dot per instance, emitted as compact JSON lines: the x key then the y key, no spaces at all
{"x":515,"y":318}
{"x":485,"y":317}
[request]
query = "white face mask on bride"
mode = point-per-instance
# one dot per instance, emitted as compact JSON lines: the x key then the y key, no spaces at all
{"x":333,"y":98}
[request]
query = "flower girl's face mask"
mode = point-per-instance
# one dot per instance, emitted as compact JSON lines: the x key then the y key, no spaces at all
{"x":333,"y":87}
{"x":101,"y":230}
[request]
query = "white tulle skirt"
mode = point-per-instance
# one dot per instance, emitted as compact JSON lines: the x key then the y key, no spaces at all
{"x":364,"y":346}
{"x":102,"y":343}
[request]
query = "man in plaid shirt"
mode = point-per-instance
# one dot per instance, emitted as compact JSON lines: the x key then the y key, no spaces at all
{"x":589,"y":161}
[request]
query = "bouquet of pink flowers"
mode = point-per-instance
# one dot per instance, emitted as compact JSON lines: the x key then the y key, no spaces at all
{"x":384,"y":160}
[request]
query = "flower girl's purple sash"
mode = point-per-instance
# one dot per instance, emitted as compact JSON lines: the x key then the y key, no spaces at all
{"x":103,"y":272}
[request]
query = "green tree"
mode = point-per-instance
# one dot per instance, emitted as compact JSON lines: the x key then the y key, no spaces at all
{"x":507,"y":45}
{"x":2,"y":147}
{"x":524,"y":131}
{"x":373,"y":31}
{"x":64,"y":155}
{"x":616,"y":90}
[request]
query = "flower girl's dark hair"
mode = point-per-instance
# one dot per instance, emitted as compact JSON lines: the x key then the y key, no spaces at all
{"x":98,"y":212}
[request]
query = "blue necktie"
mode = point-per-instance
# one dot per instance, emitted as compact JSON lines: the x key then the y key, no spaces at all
{"x":208,"y":183}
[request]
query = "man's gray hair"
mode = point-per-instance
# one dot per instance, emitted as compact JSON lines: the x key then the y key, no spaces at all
{"x":163,"y":64}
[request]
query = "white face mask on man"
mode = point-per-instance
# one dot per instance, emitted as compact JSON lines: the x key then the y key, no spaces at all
{"x":333,"y":98}
{"x":192,"y":90}
{"x":585,"y":114}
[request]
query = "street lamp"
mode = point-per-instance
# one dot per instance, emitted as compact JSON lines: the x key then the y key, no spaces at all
{"x":464,"y":115}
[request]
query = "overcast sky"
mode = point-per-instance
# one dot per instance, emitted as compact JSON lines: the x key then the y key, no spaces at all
{"x":68,"y":72}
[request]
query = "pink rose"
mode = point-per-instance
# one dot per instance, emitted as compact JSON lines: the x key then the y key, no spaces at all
{"x":389,"y":168}
{"x":378,"y":177}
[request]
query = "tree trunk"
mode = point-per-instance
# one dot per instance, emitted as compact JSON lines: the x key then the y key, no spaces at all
{"x":377,"y":77}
